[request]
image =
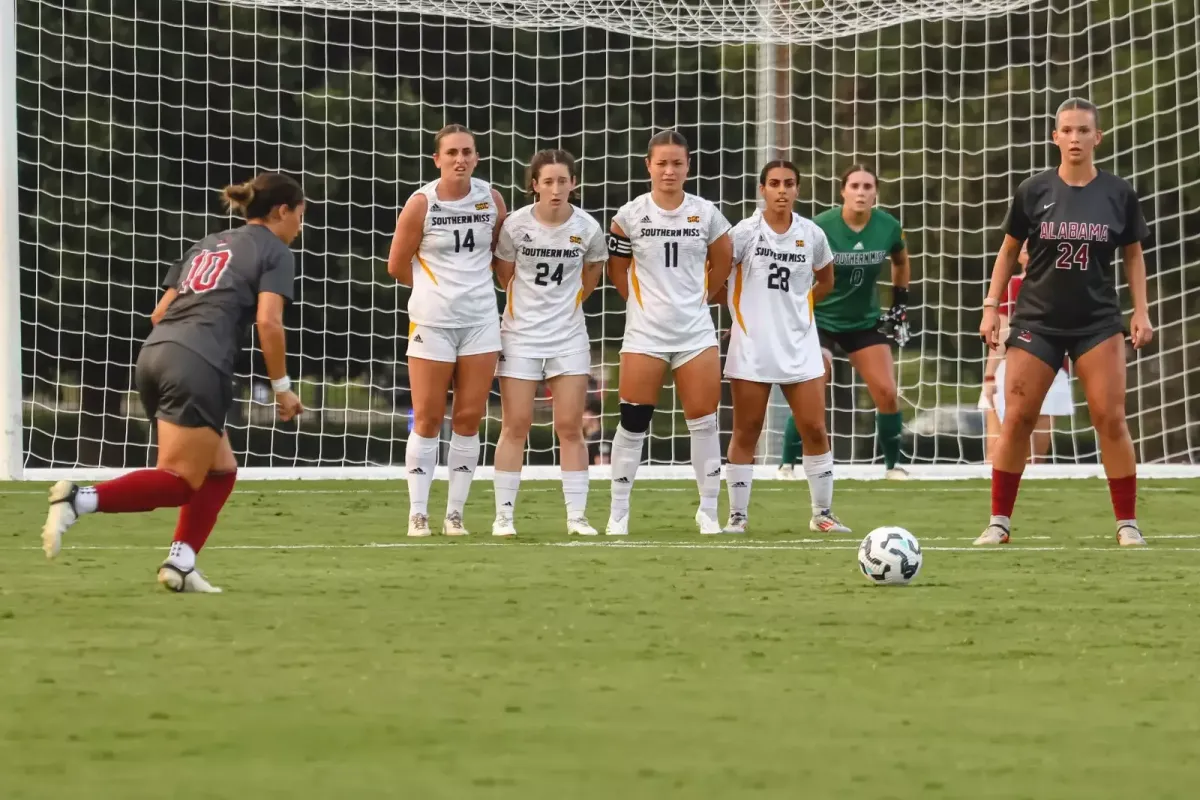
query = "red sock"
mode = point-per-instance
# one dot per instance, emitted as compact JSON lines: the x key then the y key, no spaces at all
{"x":1004,"y":492}
{"x":197,"y":518}
{"x":143,"y":490}
{"x":1124,"y":497}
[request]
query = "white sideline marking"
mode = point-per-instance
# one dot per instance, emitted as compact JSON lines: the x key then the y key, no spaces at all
{"x":797,"y":544}
{"x":649,"y":486}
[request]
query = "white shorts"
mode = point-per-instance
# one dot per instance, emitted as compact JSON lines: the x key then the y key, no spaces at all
{"x":750,"y":361}
{"x":536,"y":369}
{"x":1058,"y":402}
{"x":451,"y":344}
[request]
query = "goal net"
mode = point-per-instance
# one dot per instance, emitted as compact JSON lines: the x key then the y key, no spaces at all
{"x":131,"y":116}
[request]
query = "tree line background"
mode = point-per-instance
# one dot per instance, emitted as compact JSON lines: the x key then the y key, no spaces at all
{"x":132,"y":115}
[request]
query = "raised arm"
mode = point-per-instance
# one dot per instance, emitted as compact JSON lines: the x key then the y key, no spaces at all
{"x":410,"y":227}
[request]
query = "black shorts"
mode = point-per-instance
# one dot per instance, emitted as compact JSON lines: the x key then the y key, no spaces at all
{"x":850,"y":341}
{"x":179,"y":386}
{"x":1051,"y":349}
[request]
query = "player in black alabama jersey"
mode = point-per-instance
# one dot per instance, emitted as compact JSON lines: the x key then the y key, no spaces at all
{"x":1073,"y":218}
{"x":222,"y":285}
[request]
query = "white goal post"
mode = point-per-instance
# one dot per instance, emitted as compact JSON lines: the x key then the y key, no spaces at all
{"x":121,"y":121}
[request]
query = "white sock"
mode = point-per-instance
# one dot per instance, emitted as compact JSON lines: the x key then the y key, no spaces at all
{"x":1127,"y":523}
{"x":575,"y":492}
{"x":86,"y":500}
{"x":1002,"y":521}
{"x":738,"y":478}
{"x":506,"y":485}
{"x":625,"y":457}
{"x":420,"y":460}
{"x":182,"y":556}
{"x":462,"y":461}
{"x":819,"y":470}
{"x":706,"y":461}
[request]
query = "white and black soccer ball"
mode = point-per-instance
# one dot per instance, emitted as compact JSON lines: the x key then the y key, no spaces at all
{"x":890,"y":555}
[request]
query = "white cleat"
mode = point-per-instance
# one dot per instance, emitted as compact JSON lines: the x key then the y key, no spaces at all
{"x":418,"y":526}
{"x":993,"y":534}
{"x":578,"y":526}
{"x":896,"y":474}
{"x":503,"y":526}
{"x":453,"y":525}
{"x":708,"y":526}
{"x":174,"y":579}
{"x":826,"y":522}
{"x":1129,"y":536}
{"x":737,"y":523}
{"x":62,"y":515}
{"x":617,"y":526}
{"x":786,"y":472}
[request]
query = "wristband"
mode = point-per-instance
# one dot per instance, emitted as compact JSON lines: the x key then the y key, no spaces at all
{"x":989,"y":378}
{"x":282,"y":385}
{"x":899,"y":295}
{"x":990,"y":303}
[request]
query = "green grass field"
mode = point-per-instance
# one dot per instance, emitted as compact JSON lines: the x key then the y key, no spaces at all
{"x":345,"y":662}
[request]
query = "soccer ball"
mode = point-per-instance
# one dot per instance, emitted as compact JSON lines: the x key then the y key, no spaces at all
{"x":890,"y":555}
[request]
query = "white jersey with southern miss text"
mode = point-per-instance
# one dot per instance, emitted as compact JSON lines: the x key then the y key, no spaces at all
{"x":452,"y":270}
{"x":667,"y":311}
{"x":774,"y":336}
{"x":543,"y":317}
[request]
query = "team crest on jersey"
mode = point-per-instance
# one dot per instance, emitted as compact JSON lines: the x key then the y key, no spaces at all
{"x":799,"y":243}
{"x":694,"y":218}
{"x":482,"y":206}
{"x":576,"y":240}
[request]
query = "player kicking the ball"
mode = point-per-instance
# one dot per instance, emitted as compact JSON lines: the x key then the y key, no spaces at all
{"x":1073,"y":219}
{"x":783,"y":266}
{"x":669,"y":252}
{"x":549,"y":259}
{"x":184,"y":375}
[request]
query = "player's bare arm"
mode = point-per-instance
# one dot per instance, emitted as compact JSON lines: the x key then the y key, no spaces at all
{"x":1140,"y":329}
{"x":822,"y":282}
{"x":720,"y":264}
{"x":901,"y":269}
{"x":1002,"y":270}
{"x":504,"y":272}
{"x":273,"y":339}
{"x":501,"y":215}
{"x":410,"y":227}
{"x":620,"y":256}
{"x":160,"y":310}
{"x":592,"y":273}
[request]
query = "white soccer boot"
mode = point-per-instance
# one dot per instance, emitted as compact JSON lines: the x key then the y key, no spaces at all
{"x":418,"y":526}
{"x":737,"y":523}
{"x":993,"y":534}
{"x":579,"y":526}
{"x":61,"y":516}
{"x":503,"y":526}
{"x":174,"y":579}
{"x":786,"y":472}
{"x":826,"y":522}
{"x":896,"y":474}
{"x":1130,"y":536}
{"x":708,"y":526}
{"x":617,"y":526}
{"x":453,"y":525}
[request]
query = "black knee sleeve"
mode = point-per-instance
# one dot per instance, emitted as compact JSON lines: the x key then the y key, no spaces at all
{"x":635,"y":417}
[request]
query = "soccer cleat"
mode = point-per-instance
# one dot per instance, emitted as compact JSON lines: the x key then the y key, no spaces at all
{"x":453,"y":525}
{"x":503,"y":526}
{"x":737,"y":523}
{"x":708,"y":526}
{"x":62,"y":515}
{"x":826,"y":522}
{"x":786,"y":472}
{"x":418,"y":525}
{"x":578,"y":526}
{"x":896,"y":474}
{"x":174,"y":579}
{"x":994,"y":534}
{"x":617,"y":526}
{"x":1130,"y":536}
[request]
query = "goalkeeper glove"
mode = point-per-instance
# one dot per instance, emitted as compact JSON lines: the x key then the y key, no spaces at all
{"x":894,"y":323}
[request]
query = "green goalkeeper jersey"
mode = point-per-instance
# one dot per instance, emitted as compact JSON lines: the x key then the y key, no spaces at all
{"x":858,"y":258}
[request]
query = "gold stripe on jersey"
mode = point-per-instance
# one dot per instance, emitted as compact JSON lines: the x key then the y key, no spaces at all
{"x":737,"y":299}
{"x":428,"y":271}
{"x":412,"y":326}
{"x":633,"y":281}
{"x":578,"y":298}
{"x":811,"y":303}
{"x":512,"y":282}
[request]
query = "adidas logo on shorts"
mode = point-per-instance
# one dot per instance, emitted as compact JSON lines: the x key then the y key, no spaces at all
{"x":417,"y":339}
{"x":502,"y":356}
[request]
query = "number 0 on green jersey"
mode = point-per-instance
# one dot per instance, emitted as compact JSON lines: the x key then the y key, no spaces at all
{"x":858,"y":258}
